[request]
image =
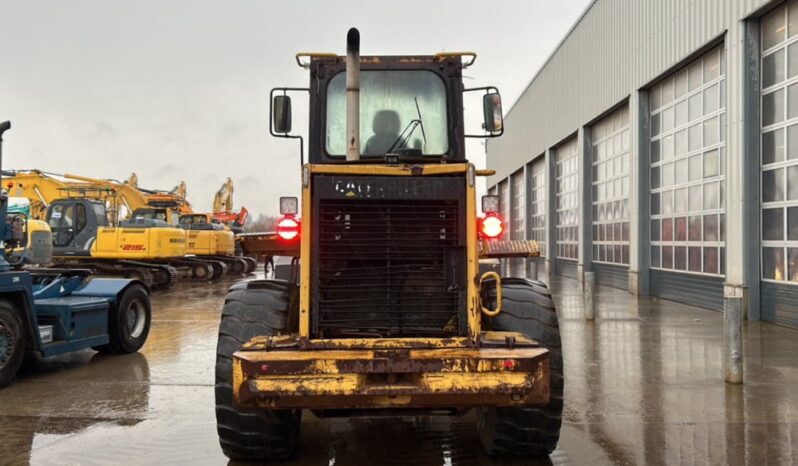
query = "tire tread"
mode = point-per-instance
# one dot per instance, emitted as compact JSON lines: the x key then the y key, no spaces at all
{"x":259,"y":307}
{"x":527,"y":307}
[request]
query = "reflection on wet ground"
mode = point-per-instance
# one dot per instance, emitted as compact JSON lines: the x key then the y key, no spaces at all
{"x":643,"y":386}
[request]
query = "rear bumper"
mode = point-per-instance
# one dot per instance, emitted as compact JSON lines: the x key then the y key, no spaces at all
{"x":433,"y":377}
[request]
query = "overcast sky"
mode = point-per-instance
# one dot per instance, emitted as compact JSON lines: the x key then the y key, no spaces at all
{"x":178,"y":90}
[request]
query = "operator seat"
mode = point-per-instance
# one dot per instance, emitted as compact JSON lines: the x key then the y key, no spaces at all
{"x":386,"y":127}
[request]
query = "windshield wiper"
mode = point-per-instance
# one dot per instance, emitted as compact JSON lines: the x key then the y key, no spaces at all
{"x":403,"y":139}
{"x":421,"y":122}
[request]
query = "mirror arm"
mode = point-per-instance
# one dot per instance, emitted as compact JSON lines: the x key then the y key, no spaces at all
{"x":284,"y":90}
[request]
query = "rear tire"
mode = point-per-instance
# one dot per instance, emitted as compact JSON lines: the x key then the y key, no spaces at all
{"x":258,"y":308}
{"x":12,"y":343}
{"x":129,"y":321}
{"x":527,"y":308}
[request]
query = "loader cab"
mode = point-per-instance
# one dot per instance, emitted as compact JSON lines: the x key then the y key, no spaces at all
{"x":74,"y":223}
{"x":411,"y":109}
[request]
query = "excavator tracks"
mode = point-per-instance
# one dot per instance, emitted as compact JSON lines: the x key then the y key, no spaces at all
{"x":202,"y":269}
{"x":153,"y":275}
{"x":164,"y":275}
{"x":252,"y":263}
{"x":237,"y":265}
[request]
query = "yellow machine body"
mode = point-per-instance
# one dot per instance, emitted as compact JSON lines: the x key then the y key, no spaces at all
{"x":205,"y":238}
{"x":478,"y":369}
{"x":38,"y":247}
{"x":139,"y":243}
{"x":210,"y":243}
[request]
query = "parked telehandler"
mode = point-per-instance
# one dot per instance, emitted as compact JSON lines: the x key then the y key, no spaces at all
{"x":388,"y":314}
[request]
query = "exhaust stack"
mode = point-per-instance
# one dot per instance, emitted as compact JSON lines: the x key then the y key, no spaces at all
{"x":353,"y":95}
{"x":4,"y":126}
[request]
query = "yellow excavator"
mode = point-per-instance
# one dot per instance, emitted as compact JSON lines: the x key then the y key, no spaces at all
{"x":214,"y":237}
{"x":209,"y":244}
{"x":256,"y":246}
{"x":206,"y":238}
{"x":88,"y":232}
{"x":145,"y":203}
{"x":223,"y":208}
{"x":38,"y":248}
{"x":204,"y":253}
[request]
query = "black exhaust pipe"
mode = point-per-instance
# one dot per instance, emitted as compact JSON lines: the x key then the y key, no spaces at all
{"x":353,"y":95}
{"x":4,"y":126}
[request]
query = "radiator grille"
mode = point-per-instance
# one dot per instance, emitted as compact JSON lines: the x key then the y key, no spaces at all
{"x":388,"y":268}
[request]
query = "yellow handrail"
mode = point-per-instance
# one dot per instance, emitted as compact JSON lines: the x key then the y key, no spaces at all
{"x":498,"y":279}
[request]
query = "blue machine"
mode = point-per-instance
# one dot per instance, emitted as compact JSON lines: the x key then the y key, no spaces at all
{"x":52,"y":311}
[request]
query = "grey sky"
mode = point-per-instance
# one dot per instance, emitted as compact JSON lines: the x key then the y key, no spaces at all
{"x":177,"y":90}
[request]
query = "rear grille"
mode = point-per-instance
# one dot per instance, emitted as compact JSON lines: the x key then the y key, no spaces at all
{"x":388,"y":268}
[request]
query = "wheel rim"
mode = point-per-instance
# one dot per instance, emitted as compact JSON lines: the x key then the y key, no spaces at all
{"x":135,"y":318}
{"x":7,"y":341}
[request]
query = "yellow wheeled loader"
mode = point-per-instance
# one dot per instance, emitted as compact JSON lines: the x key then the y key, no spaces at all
{"x":386,"y":312}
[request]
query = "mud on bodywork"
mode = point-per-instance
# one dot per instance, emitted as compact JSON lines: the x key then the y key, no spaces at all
{"x":290,"y":372}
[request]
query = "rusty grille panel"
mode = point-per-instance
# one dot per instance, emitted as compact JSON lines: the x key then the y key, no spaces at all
{"x":388,"y":268}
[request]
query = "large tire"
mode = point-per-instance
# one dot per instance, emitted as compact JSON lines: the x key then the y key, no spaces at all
{"x":527,"y":308}
{"x":129,"y":321}
{"x":257,"y":308}
{"x":12,"y":342}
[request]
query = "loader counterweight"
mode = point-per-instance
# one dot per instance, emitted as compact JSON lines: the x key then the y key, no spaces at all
{"x":280,"y":373}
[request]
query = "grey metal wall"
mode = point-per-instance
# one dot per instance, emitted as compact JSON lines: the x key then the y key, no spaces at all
{"x":566,"y":268}
{"x":695,"y":290}
{"x":779,"y":303}
{"x":616,"y":276}
{"x":617,"y":47}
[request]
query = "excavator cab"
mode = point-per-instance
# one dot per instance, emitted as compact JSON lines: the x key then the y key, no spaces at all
{"x":74,"y":223}
{"x":152,"y":213}
{"x":199,"y":222}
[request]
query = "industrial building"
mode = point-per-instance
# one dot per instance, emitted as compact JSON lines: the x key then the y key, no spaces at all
{"x":658,"y":147}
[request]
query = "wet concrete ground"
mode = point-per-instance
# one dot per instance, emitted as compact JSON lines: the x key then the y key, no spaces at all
{"x":643,"y":386}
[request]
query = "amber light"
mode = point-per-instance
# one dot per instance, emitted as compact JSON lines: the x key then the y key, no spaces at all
{"x":491,"y":226}
{"x":288,"y":228}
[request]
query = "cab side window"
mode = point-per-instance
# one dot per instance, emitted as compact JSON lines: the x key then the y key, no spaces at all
{"x":68,"y":219}
{"x":80,"y":218}
{"x":55,"y":216}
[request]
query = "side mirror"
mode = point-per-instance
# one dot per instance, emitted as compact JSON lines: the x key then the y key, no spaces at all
{"x":492,"y":110}
{"x":281,"y":114}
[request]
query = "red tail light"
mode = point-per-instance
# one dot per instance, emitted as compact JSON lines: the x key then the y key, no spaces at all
{"x":491,"y":226}
{"x":288,"y":228}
